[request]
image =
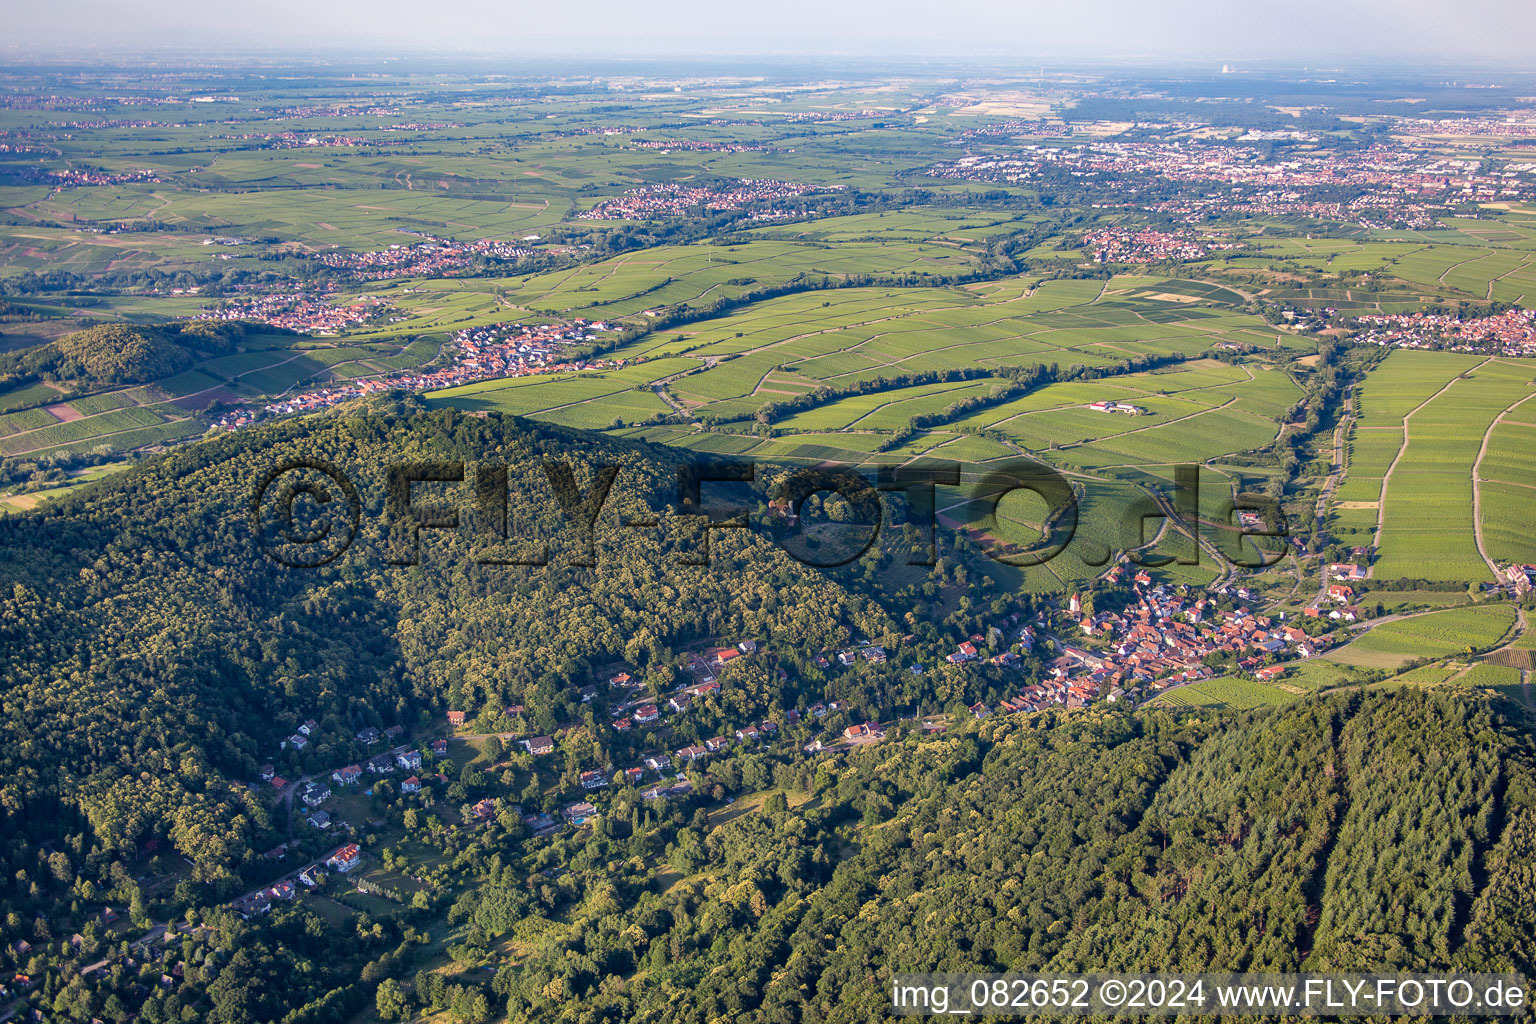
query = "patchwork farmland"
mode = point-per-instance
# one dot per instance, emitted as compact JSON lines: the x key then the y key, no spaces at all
{"x":1418,"y":440}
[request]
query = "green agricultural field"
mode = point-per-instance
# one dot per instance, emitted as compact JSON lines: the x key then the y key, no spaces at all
{"x":626,"y":407}
{"x":852,"y":335}
{"x":41,"y":249}
{"x":58,"y":435}
{"x":1108,"y":521}
{"x":101,"y":403}
{"x":1431,"y":635}
{"x":1506,"y":488}
{"x":963,"y":226}
{"x":23,"y":502}
{"x":29,"y":419}
{"x":1192,"y":414}
{"x":1425,"y":675}
{"x":1404,"y":381}
{"x":317,"y":218}
{"x":1231,"y":692}
{"x":1316,"y":674}
{"x":189,"y":383}
{"x":1394,"y":601}
{"x":972,"y":449}
{"x":884,"y":410}
{"x":700,"y":274}
{"x":1428,"y":526}
{"x":561,"y":397}
{"x":29,"y":395}
{"x":1498,"y":677}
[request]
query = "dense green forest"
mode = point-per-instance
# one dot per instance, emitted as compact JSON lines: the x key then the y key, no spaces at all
{"x":150,"y":602}
{"x":1362,"y":832}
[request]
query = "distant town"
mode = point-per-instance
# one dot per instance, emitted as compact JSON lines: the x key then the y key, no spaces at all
{"x":1511,"y":333}
{"x":1396,"y":186}
{"x":1122,"y":245}
{"x":675,"y":200}
{"x":475,"y":353}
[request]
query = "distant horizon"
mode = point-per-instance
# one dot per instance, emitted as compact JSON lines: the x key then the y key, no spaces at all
{"x":512,"y":64}
{"x":1346,"y":33}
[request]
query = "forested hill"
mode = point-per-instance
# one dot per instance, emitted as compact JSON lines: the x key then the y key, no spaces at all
{"x":152,"y":652}
{"x":121,"y":353}
{"x":1370,"y":831}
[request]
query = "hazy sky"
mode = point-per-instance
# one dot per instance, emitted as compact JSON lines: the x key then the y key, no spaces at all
{"x":1297,"y":31}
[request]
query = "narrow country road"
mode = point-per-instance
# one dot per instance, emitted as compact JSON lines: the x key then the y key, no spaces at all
{"x":1335,"y":472}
